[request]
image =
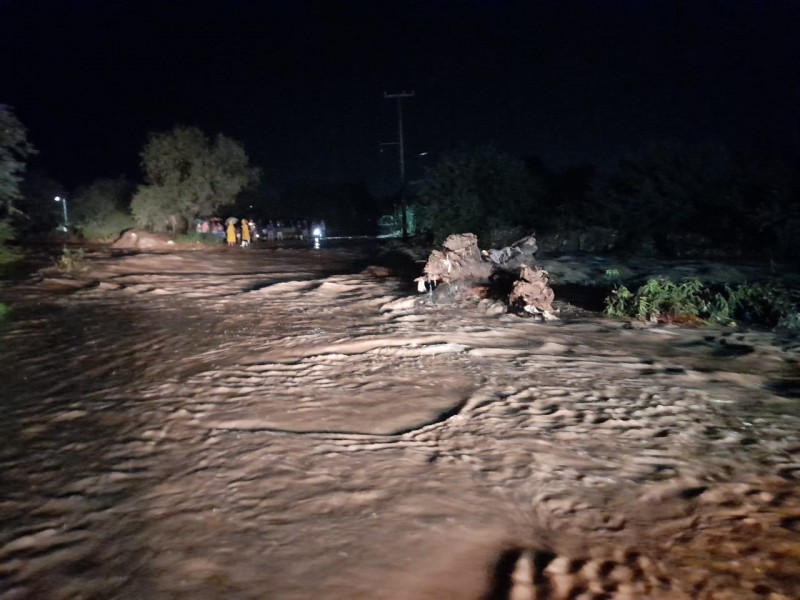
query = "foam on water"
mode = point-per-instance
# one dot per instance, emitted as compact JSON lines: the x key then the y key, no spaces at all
{"x":222,"y":424}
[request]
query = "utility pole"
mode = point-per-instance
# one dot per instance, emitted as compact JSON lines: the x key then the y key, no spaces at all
{"x":64,"y":205}
{"x":399,"y":96}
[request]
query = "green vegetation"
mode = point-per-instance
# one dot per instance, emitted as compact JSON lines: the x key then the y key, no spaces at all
{"x":14,"y":152}
{"x":192,"y":237}
{"x":667,"y":192}
{"x":5,"y":311}
{"x":763,"y":303}
{"x":477,"y":192}
{"x":99,"y":210}
{"x":698,"y":200}
{"x":109,"y":229}
{"x":692,"y":302}
{"x":188,"y":175}
{"x":7,"y":255}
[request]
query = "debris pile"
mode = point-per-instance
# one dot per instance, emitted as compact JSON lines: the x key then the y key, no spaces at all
{"x":136,"y":239}
{"x":532,"y":293}
{"x":460,"y":265}
{"x":459,"y":260}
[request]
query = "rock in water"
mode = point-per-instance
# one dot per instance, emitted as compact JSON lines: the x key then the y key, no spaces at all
{"x":137,"y":239}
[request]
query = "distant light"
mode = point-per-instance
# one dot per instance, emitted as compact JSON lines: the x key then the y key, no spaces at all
{"x":58,"y":198}
{"x":317,"y":232}
{"x":423,"y":153}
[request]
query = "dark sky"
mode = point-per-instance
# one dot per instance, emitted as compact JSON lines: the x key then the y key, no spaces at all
{"x":301,"y":83}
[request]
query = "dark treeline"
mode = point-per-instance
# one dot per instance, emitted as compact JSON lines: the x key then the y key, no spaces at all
{"x":669,"y":199}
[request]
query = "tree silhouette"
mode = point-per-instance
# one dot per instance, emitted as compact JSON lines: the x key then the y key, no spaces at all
{"x":188,"y":176}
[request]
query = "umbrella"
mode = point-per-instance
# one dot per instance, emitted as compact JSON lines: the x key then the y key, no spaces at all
{"x":231,"y":220}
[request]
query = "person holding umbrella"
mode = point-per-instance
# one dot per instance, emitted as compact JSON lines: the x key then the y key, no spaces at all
{"x":230,"y":233}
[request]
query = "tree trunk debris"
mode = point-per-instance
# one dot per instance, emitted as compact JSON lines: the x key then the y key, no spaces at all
{"x":137,"y":239}
{"x":465,"y":270}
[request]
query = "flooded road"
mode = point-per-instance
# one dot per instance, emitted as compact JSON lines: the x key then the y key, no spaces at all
{"x":288,"y":424}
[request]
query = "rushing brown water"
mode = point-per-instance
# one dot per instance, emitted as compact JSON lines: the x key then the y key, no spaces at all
{"x":270,"y":424}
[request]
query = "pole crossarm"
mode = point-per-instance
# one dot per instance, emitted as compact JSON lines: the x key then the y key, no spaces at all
{"x":398,"y":95}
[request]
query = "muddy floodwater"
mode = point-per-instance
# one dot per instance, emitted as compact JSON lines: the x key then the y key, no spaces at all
{"x":294,"y":424}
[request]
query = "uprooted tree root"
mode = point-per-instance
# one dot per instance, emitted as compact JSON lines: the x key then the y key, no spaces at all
{"x":509,"y":274}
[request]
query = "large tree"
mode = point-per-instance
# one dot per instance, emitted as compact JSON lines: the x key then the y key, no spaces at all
{"x":14,"y":151}
{"x":668,"y":189}
{"x":188,"y":175}
{"x":477,"y":191}
{"x":100,"y":209}
{"x":96,"y":201}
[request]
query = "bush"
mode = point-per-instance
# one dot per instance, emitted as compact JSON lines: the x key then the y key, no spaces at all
{"x":7,"y":255}
{"x":690,"y":301}
{"x":480,"y":192}
{"x":661,"y":299}
{"x":100,"y":209}
{"x":194,"y":237}
{"x":667,"y":188}
{"x":764,"y":304}
{"x":109,"y":228}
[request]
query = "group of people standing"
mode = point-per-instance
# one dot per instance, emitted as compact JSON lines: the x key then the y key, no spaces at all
{"x":242,"y":232}
{"x":239,"y":235}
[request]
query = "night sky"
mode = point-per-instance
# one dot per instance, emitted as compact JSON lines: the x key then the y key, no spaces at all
{"x":302,"y":83}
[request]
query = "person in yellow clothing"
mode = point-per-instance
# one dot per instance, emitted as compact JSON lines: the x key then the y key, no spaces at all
{"x":230,"y":234}
{"x":245,"y":233}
